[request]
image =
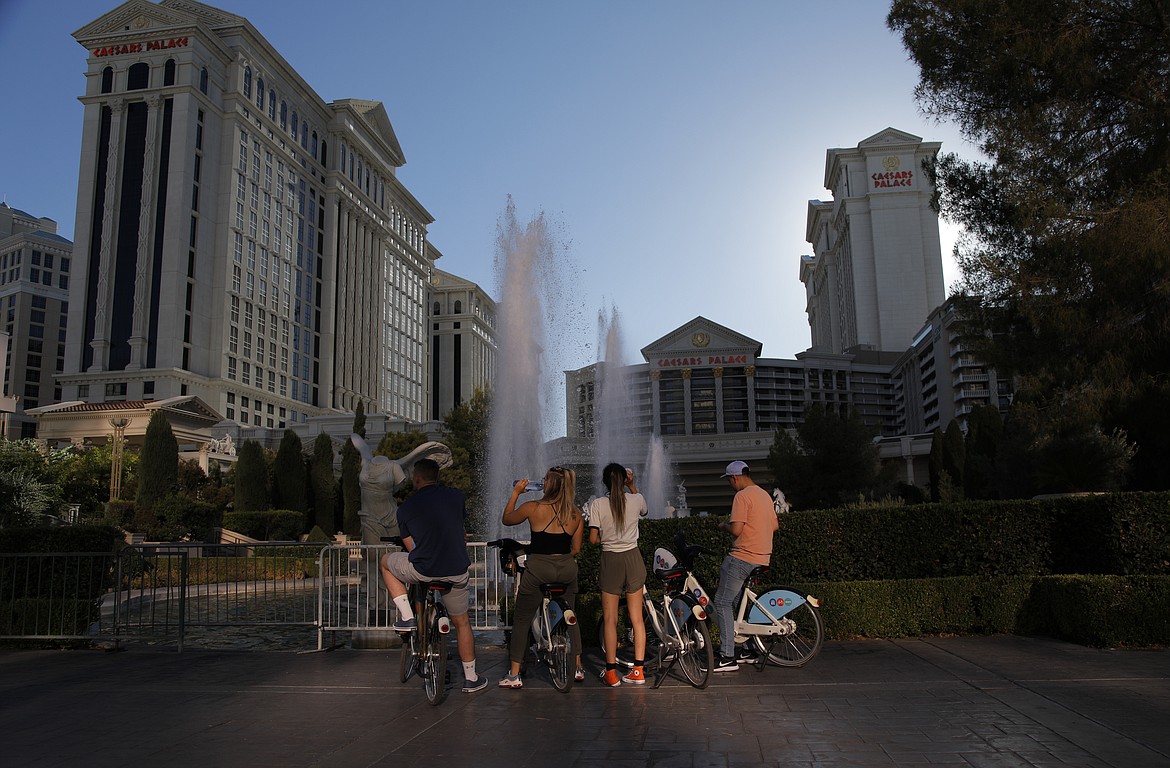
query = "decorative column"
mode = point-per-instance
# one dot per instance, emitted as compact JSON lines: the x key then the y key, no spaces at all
{"x":144,"y":266}
{"x":119,"y":426}
{"x":687,"y":418}
{"x":656,"y":402}
{"x":750,"y":373}
{"x":101,"y":332}
{"x":718,"y":373}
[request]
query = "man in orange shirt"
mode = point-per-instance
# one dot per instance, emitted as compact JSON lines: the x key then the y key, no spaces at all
{"x":753,"y":523}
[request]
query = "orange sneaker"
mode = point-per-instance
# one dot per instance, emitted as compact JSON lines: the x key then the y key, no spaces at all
{"x":611,"y":678}
{"x":636,"y":677}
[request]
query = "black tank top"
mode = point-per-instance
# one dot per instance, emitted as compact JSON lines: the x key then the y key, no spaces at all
{"x":545,"y":543}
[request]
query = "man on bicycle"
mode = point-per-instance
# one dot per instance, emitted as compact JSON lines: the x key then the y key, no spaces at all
{"x":433,"y":534}
{"x":753,"y":523}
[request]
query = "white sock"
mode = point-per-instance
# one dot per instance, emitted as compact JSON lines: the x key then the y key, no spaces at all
{"x":469,"y":670}
{"x":402,"y":603}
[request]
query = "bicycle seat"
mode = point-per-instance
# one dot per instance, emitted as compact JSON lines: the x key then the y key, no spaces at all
{"x":554,"y":588}
{"x":759,"y":572}
{"x":669,"y":574}
{"x":439,"y":586}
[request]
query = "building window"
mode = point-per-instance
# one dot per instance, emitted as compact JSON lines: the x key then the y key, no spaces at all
{"x":139,"y":76}
{"x":260,"y":93}
{"x":283,"y":116}
{"x":108,"y":80}
{"x":203,"y":80}
{"x":248,"y":82}
{"x":169,"y":72}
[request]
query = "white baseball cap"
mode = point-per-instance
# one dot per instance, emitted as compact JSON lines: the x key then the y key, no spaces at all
{"x":734,"y":469}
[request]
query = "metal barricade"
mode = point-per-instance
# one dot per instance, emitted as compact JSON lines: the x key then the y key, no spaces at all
{"x":182,"y":593}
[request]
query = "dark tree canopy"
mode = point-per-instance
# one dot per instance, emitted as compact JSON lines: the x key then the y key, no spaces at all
{"x":251,"y":488}
{"x":290,"y":478}
{"x":1066,"y":262}
{"x":832,"y":461}
{"x":324,"y":483}
{"x":158,"y":470}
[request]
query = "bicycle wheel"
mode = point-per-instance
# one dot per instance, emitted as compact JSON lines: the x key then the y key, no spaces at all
{"x":435,"y":660}
{"x":407,"y":657}
{"x":560,"y":660}
{"x":697,"y":657}
{"x":799,"y":644}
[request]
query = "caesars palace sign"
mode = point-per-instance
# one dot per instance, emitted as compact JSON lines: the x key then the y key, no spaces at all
{"x":149,"y":45}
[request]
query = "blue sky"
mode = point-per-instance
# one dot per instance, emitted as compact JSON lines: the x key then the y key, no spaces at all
{"x":675,"y":145}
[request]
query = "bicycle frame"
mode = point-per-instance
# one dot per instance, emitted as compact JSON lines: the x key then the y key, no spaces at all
{"x":777,"y":603}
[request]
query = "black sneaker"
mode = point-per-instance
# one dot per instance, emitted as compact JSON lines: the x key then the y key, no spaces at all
{"x":745,"y":653}
{"x":725,"y":664}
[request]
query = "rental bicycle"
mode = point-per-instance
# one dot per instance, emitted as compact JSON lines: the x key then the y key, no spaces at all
{"x":549,"y":634}
{"x":782,"y":623}
{"x":424,"y":648}
{"x":678,"y":634}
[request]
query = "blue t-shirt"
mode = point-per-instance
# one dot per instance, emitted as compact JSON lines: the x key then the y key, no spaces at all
{"x":434,"y":517}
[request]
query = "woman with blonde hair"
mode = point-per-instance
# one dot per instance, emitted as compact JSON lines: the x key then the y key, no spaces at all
{"x":556,"y":526}
{"x":613,"y":523}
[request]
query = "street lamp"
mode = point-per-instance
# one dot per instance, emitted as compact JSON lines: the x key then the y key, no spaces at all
{"x":119,"y":426}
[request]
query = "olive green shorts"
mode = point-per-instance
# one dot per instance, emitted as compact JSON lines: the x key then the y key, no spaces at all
{"x":622,"y":572}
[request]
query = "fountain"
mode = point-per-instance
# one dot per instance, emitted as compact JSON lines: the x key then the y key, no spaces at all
{"x":528,"y":392}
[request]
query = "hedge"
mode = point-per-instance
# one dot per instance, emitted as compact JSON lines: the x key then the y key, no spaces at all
{"x":268,"y":525}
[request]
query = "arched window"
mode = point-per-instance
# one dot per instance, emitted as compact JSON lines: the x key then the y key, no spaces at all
{"x":359,"y":178}
{"x":314,"y":149}
{"x":295,"y":125}
{"x":108,"y":80}
{"x":139,"y":77}
{"x":248,"y":82}
{"x":283,"y":115}
{"x":260,"y":93}
{"x":169,"y":72}
{"x":203,"y":80}
{"x":351,"y":166}
{"x":458,"y":307}
{"x":271,"y":104}
{"x":304,"y":134}
{"x":436,"y":307}
{"x":324,"y":152}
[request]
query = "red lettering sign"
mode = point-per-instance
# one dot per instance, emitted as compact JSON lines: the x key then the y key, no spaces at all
{"x":150,"y":45}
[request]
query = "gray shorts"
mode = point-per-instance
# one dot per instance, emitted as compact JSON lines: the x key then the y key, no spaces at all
{"x":455,"y":599}
{"x":622,"y":572}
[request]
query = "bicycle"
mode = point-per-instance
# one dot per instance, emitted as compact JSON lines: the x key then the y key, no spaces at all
{"x":424,"y":648}
{"x":783,"y":623}
{"x":549,"y":634}
{"x":679,"y":633}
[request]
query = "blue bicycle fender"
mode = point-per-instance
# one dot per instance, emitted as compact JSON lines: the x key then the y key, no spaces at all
{"x":778,"y":602}
{"x":556,"y":610}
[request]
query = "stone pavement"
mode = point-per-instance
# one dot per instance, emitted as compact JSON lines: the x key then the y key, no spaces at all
{"x":968,"y":701}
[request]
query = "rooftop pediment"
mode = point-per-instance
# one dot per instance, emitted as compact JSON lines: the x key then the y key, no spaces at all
{"x":703,"y":339}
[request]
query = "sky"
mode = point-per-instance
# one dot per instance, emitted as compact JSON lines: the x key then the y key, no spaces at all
{"x":674,"y":144}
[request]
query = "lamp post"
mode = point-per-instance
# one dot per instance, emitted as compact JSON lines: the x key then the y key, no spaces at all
{"x":119,"y":426}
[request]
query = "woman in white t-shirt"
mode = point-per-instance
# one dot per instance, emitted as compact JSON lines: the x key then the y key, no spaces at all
{"x":613,"y":523}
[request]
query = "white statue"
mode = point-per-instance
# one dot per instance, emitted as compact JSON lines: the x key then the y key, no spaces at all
{"x":380,"y":477}
{"x":779,"y":502}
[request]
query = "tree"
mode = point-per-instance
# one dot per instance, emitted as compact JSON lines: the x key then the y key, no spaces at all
{"x":1066,"y":267}
{"x":158,"y":471}
{"x":984,"y":433}
{"x":251,"y":478}
{"x":324,"y":483}
{"x":351,"y":467}
{"x":25,"y":498}
{"x":831,"y":461}
{"x":290,"y":480}
{"x":465,"y":431}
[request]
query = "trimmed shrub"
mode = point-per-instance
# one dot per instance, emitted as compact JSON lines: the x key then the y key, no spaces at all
{"x":268,"y":525}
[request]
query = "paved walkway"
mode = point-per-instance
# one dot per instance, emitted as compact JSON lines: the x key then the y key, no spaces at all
{"x":986,"y":701}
